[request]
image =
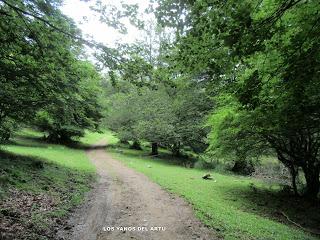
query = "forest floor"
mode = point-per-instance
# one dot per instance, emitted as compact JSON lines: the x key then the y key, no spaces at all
{"x":125,"y":204}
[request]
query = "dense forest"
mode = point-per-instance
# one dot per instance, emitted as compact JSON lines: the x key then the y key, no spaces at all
{"x":221,"y":84}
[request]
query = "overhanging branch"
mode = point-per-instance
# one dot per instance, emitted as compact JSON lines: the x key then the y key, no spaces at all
{"x":48,"y":23}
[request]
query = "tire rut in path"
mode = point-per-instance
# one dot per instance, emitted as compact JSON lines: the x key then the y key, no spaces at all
{"x":125,"y":198}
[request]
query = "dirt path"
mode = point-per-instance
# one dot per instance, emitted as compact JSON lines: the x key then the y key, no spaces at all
{"x":125,"y":198}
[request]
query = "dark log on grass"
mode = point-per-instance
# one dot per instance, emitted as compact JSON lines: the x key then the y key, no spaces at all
{"x":207,"y":176}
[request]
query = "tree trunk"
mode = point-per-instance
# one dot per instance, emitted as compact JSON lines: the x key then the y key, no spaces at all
{"x":239,"y":166}
{"x":136,"y":145}
{"x":294,"y":174}
{"x":53,"y":138}
{"x":123,"y":141}
{"x":154,"y":151}
{"x":312,"y":179}
{"x":176,"y":150}
{"x":302,"y":148}
{"x":242,"y":165}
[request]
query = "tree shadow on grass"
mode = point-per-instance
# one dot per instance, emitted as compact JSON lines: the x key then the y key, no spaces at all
{"x":30,"y":184}
{"x":279,"y":205}
{"x":276,"y":204}
{"x":83,"y":146}
{"x":26,"y":141}
{"x":163,"y":157}
{"x":26,"y":144}
{"x":34,"y":173}
{"x":12,"y":163}
{"x":40,"y":142}
{"x":19,"y":171}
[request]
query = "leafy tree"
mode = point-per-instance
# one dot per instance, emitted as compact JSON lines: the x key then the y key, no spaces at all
{"x":30,"y":53}
{"x":148,"y":67}
{"x":6,"y":129}
{"x":156,"y":118}
{"x":170,"y":117}
{"x":142,"y":114}
{"x":266,"y":55}
{"x":71,"y":114}
{"x":191,"y":104}
{"x":40,"y":68}
{"x":231,"y":136}
{"x":122,"y":114}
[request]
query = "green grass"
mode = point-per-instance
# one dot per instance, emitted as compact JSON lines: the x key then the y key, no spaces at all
{"x":236,"y":207}
{"x":33,"y":167}
{"x":27,"y":144}
{"x":94,"y":137}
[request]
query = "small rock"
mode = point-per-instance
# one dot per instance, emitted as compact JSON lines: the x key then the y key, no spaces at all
{"x":68,"y":227}
{"x":58,"y":221}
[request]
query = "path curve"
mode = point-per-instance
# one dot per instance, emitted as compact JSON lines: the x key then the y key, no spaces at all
{"x":125,"y":198}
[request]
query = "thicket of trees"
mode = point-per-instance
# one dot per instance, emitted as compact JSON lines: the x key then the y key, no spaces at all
{"x":248,"y":69}
{"x":149,"y":100}
{"x":43,"y":79}
{"x":262,"y":60}
{"x":161,"y":116}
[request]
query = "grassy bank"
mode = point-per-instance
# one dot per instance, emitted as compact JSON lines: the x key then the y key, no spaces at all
{"x":236,"y":207}
{"x":40,"y":183}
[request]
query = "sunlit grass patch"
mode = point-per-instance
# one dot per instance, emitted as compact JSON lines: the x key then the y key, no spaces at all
{"x":94,"y":137}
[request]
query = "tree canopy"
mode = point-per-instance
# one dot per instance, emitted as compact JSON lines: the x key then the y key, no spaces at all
{"x":41,"y":70}
{"x":264,"y":56}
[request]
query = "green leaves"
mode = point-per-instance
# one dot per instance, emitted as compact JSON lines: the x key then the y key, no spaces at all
{"x":40,"y":70}
{"x":260,"y":60}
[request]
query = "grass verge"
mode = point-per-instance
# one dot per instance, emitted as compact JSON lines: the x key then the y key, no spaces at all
{"x":236,"y":207}
{"x":40,"y":183}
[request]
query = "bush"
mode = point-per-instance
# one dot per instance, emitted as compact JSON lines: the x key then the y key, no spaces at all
{"x":6,"y":130}
{"x":244,"y":167}
{"x":201,"y":164}
{"x":65,"y":134}
{"x":57,"y":132}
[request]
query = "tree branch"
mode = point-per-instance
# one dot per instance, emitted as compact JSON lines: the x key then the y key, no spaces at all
{"x":17,"y":9}
{"x":299,"y":226}
{"x":279,"y":12}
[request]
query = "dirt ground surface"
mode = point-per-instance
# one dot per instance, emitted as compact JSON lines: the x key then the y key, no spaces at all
{"x":125,"y":198}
